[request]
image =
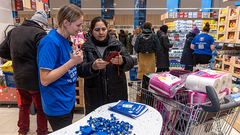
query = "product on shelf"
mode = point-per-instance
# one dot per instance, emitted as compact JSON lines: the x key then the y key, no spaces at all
{"x":238,"y":61}
{"x":237,"y":70}
{"x":218,"y":65}
{"x":222,"y":20}
{"x":227,"y":67}
{"x":221,"y":28}
{"x":232,"y":23}
{"x":224,"y":11}
{"x":233,"y":11}
{"x":231,"y":35}
{"x":221,"y":37}
{"x":228,"y":59}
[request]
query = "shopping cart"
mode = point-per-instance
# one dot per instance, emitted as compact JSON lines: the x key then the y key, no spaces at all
{"x":183,"y":118}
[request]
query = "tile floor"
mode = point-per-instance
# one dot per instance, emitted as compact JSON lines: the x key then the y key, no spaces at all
{"x":9,"y":119}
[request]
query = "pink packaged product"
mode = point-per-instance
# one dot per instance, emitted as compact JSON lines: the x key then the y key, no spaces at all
{"x":169,"y":115}
{"x":166,"y":84}
{"x":199,"y":98}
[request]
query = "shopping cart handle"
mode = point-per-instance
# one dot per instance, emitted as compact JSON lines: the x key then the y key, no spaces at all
{"x":229,"y":103}
{"x":215,"y":106}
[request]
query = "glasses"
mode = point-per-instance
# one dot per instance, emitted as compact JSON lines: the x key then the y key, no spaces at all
{"x":98,"y":29}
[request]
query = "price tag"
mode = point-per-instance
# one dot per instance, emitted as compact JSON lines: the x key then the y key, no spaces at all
{"x":237,"y":45}
{"x":230,"y":45}
{"x":221,"y":44}
{"x":234,"y":79}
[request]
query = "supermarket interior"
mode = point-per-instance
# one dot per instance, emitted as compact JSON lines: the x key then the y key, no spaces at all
{"x":111,"y":67}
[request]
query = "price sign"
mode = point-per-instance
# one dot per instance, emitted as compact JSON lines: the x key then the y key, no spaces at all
{"x":230,"y":45}
{"x":46,"y":8}
{"x":33,"y":4}
{"x":18,"y":5}
{"x":221,"y":44}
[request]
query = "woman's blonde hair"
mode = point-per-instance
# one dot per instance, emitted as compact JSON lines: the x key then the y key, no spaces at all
{"x":69,"y":12}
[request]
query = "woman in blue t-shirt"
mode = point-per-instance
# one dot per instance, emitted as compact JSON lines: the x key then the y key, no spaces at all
{"x":203,"y":46}
{"x":57,"y":67}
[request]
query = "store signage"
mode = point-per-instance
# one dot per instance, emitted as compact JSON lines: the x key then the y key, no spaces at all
{"x":205,"y":14}
{"x":190,"y":14}
{"x":17,"y":20}
{"x":195,"y":14}
{"x":230,"y":45}
{"x":176,"y":14}
{"x":45,"y":1}
{"x":199,"y":15}
{"x":18,"y":5}
{"x":33,"y":4}
{"x":180,"y":14}
{"x":46,"y":8}
{"x":185,"y":14}
{"x":170,"y":14}
{"x":213,"y":14}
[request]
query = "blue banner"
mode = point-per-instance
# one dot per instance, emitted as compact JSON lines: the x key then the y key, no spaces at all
{"x":172,"y":4}
{"x":237,"y":3}
{"x":139,"y":14}
{"x":106,"y":13}
{"x":206,"y":4}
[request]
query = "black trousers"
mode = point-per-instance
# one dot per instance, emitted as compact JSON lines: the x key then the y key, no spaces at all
{"x":188,"y":67}
{"x":58,"y":122}
{"x":162,"y":69}
{"x":202,"y":59}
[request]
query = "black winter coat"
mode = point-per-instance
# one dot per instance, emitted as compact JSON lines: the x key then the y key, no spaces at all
{"x":103,"y":86}
{"x":187,"y":54}
{"x":20,"y":46}
{"x":162,"y":55}
{"x":123,"y":39}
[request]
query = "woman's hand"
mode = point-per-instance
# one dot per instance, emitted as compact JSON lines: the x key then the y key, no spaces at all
{"x":99,"y":64}
{"x":118,"y":60}
{"x":77,"y":57}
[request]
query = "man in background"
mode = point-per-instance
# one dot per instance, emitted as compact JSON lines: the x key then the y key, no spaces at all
{"x":20,"y":46}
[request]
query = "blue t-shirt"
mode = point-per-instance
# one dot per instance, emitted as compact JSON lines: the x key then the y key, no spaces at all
{"x":58,"y":98}
{"x":202,"y":44}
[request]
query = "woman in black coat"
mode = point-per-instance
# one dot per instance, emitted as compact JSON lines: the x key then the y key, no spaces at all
{"x":187,"y":54}
{"x":102,"y":84}
{"x":162,"y":55}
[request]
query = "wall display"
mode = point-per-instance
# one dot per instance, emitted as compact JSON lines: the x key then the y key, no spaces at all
{"x":18,"y":5}
{"x":33,"y":4}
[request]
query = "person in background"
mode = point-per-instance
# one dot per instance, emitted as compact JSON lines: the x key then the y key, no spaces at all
{"x":162,"y":55}
{"x":187,"y":55}
{"x":115,"y":31}
{"x":122,"y":37}
{"x":20,"y":46}
{"x":138,"y":30}
{"x":87,"y":34}
{"x":203,"y":46}
{"x":131,"y":43}
{"x":146,"y":45}
{"x":127,"y":40}
{"x":113,"y":34}
{"x":57,"y":67}
{"x":103,"y":83}
{"x":153,"y":30}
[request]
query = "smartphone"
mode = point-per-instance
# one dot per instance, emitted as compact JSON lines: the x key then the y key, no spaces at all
{"x":112,"y":55}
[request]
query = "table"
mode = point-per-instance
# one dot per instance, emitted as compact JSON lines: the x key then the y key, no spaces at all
{"x":150,"y":123}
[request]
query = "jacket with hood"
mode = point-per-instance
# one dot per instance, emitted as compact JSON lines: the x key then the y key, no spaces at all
{"x":123,"y":39}
{"x":20,"y":46}
{"x":103,"y":86}
{"x":162,"y":55}
{"x":187,"y":54}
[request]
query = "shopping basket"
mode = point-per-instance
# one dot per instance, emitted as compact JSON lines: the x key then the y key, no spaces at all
{"x":183,"y":118}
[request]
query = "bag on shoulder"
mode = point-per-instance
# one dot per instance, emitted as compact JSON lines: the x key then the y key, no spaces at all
{"x":146,"y":44}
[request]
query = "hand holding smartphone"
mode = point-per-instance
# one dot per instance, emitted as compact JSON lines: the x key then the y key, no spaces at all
{"x":112,"y":55}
